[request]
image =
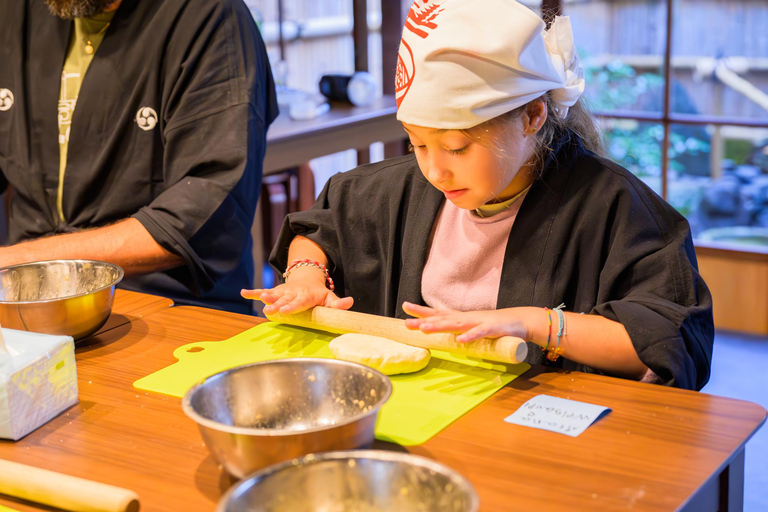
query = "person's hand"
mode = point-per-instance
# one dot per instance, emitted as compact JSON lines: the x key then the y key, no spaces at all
{"x":471,"y":325}
{"x":303,"y":291}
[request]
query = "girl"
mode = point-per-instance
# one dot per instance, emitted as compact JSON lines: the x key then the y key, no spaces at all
{"x":504,"y":211}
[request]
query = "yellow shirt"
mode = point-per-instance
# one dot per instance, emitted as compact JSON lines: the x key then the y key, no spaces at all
{"x":85,"y":40}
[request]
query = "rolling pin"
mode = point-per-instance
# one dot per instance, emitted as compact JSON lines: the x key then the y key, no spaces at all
{"x":63,"y":491}
{"x":506,"y":349}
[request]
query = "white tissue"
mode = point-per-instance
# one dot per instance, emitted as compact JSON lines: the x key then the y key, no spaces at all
{"x":38,"y":380}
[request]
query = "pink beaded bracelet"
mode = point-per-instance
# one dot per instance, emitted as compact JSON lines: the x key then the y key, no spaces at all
{"x":310,"y":263}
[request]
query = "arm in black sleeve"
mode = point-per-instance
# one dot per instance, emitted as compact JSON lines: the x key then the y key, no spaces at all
{"x":319,"y":225}
{"x":651,"y":285}
{"x":218,"y":101}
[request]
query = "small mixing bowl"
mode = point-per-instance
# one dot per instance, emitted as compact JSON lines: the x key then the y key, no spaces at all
{"x":66,"y":297}
{"x":257,"y":415}
{"x":359,"y":481}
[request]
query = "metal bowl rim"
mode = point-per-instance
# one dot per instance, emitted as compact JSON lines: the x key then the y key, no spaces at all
{"x":384,"y":455}
{"x":120,"y":275}
{"x":269,"y":432}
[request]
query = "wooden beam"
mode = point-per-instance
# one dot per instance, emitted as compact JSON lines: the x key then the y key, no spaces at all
{"x":392,"y":19}
{"x":360,"y":38}
{"x":393,"y":14}
{"x":360,"y":33}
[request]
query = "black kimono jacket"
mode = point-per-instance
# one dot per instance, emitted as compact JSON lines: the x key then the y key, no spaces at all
{"x":192,"y":180}
{"x":589,"y":234}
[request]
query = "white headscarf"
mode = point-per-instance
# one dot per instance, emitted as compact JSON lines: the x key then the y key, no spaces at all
{"x":463,"y":62}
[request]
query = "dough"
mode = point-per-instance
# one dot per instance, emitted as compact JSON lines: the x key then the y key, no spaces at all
{"x":382,"y":354}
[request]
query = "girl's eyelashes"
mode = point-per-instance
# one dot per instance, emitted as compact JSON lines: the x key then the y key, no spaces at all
{"x":412,"y":147}
{"x":459,"y":151}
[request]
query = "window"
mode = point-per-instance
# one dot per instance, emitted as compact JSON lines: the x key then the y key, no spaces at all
{"x":681,"y":88}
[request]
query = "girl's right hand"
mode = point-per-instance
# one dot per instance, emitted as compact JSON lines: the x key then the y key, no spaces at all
{"x":297,"y":295}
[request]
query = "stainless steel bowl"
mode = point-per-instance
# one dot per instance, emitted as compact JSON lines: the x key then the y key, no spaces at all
{"x":69,"y":297}
{"x":257,"y":415}
{"x":353,"y":481}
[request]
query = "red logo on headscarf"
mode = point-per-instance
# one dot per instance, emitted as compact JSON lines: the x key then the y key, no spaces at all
{"x":405,"y":71}
{"x":420,"y":21}
{"x":423,"y":17}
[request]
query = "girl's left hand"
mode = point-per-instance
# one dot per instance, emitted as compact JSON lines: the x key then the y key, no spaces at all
{"x":471,"y":325}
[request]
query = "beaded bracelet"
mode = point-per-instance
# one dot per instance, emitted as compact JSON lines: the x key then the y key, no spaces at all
{"x":553,"y":354}
{"x":549,"y":333}
{"x":310,"y":263}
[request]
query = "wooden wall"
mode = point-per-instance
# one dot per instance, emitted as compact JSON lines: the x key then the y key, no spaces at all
{"x":739,"y":285}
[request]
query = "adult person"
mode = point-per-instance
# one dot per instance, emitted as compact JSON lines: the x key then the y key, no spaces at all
{"x":505,"y":214}
{"x":154,"y":160}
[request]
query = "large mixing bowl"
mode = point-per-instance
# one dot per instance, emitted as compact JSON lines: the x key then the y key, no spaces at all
{"x":353,"y":481}
{"x":68,"y":297}
{"x":257,"y":415}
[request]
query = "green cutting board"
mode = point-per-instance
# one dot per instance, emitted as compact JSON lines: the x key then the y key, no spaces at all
{"x":422,"y":403}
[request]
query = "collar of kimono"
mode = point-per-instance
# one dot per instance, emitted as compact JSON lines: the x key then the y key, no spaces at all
{"x":491,"y":209}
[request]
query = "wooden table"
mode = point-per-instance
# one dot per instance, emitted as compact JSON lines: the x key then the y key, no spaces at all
{"x":658,"y":450}
{"x":130,"y":306}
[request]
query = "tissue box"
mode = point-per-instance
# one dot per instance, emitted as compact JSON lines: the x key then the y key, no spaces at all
{"x":38,"y":381}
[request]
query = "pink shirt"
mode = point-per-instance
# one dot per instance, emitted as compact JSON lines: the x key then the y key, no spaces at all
{"x":466,"y":254}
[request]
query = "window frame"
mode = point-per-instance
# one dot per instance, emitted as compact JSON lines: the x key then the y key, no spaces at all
{"x":667,"y":119}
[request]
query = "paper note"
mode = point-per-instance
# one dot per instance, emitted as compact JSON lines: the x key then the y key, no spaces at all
{"x":567,"y":417}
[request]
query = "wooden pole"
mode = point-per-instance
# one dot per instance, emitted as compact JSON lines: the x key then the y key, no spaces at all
{"x":360,"y":37}
{"x":392,"y":18}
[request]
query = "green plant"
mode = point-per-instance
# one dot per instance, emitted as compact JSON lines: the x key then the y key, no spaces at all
{"x":635,"y":144}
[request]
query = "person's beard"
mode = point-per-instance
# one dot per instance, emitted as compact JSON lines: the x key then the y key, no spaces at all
{"x":70,"y":9}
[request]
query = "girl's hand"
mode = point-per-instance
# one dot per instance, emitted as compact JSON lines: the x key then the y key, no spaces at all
{"x":298,"y":295}
{"x":471,"y":325}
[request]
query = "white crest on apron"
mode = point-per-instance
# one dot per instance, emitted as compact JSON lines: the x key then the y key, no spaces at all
{"x":146,"y":118}
{"x":6,"y":99}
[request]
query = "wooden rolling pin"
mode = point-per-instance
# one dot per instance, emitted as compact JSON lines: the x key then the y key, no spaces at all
{"x":506,"y":349}
{"x":63,"y":491}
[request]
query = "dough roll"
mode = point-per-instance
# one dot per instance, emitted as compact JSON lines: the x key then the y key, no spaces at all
{"x":382,"y":354}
